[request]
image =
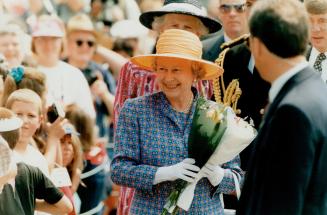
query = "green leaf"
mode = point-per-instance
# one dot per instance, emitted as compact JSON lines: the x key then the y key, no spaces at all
{"x":205,"y":133}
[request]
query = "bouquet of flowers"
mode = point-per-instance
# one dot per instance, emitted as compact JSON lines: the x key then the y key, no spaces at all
{"x":217,"y":136}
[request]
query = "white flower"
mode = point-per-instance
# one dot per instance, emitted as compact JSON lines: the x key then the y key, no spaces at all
{"x":237,"y":136}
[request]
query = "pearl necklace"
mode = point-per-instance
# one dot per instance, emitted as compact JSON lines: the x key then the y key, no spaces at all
{"x":188,"y":107}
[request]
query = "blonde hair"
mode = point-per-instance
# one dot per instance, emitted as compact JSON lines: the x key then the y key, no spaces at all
{"x":10,"y":136}
{"x":25,"y":95}
{"x":29,"y":96}
{"x":11,"y":29}
{"x":32,"y":79}
{"x":316,"y":6}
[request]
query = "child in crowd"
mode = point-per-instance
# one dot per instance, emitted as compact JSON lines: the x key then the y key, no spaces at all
{"x":72,"y":155}
{"x":95,"y":160}
{"x":24,"y":77}
{"x":71,"y":160}
{"x":27,"y":105}
{"x":31,"y":78}
{"x":20,"y":183}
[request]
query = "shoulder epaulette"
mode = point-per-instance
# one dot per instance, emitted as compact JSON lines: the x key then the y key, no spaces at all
{"x":228,"y":96}
{"x":239,"y":40}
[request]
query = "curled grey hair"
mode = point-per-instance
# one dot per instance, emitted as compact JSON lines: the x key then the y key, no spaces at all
{"x":197,"y":68}
{"x":159,"y":21}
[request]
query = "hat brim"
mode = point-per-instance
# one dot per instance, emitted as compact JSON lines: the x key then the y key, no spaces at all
{"x":146,"y":61}
{"x":71,"y":30}
{"x":10,"y":124}
{"x":148,"y":17}
{"x":47,"y":33}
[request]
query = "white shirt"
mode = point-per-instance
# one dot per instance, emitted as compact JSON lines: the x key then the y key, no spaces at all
{"x":313,"y":56}
{"x":251,"y":64}
{"x":66,"y":83}
{"x":277,"y":85}
{"x":33,"y":157}
{"x":226,"y":38}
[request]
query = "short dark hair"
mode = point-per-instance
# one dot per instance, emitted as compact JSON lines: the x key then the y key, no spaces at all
{"x":282,"y":25}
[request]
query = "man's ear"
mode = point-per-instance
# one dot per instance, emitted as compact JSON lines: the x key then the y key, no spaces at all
{"x":256,"y":46}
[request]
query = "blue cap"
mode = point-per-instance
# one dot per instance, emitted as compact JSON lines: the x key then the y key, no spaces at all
{"x":69,"y":129}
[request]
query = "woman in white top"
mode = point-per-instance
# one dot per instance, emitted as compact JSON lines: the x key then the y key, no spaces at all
{"x":65,"y":83}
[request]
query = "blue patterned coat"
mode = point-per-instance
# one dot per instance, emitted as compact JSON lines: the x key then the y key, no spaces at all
{"x":150,"y":134}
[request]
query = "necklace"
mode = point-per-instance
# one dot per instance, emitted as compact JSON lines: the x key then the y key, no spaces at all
{"x":188,"y":106}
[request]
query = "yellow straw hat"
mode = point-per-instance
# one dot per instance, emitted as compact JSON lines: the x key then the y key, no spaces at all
{"x":179,"y":45}
{"x":80,"y":22}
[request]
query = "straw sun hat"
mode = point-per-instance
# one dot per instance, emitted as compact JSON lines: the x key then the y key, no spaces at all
{"x":80,"y":22}
{"x":6,"y":157}
{"x":179,"y":46}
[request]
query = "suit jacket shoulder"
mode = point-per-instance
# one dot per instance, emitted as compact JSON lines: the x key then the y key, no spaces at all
{"x":306,"y":92}
{"x":211,"y":47}
{"x":287,"y":171}
{"x":308,"y":52}
{"x":237,"y":58}
{"x":254,"y":89}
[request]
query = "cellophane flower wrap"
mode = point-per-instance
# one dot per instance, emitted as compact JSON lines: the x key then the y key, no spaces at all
{"x":217,"y":136}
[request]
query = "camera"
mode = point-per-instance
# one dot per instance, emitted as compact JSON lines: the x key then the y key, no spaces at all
{"x":91,"y":76}
{"x":91,"y":80}
{"x":54,"y":111}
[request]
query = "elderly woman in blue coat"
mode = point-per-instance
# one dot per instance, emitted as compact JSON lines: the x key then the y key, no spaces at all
{"x":151,"y":140}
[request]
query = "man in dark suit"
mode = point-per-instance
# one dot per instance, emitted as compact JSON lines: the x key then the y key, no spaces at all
{"x":239,"y":64}
{"x":233,"y":17}
{"x":288,"y":172}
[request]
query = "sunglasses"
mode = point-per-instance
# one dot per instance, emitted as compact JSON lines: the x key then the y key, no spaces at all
{"x":90,"y":43}
{"x":227,"y":8}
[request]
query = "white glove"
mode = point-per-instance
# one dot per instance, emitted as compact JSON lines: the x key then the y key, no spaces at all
{"x":214,"y":173}
{"x":185,"y":170}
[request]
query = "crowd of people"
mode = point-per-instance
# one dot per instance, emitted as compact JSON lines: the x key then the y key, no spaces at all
{"x":100,"y":101}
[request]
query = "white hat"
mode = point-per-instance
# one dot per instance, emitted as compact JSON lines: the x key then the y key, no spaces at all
{"x":48,"y":26}
{"x":80,"y":22}
{"x":186,"y":7}
{"x":10,"y":124}
{"x":128,"y":29}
